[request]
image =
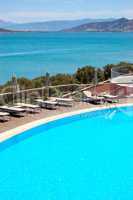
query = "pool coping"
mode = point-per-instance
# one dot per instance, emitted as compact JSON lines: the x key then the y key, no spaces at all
{"x":20,"y":129}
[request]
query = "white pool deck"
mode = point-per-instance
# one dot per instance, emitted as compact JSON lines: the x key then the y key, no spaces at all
{"x":19,"y":130}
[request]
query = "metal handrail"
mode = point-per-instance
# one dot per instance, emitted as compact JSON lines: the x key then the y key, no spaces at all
{"x":41,"y":88}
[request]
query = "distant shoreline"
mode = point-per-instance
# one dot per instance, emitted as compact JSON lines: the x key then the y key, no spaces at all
{"x":86,"y":25}
{"x":29,"y":31}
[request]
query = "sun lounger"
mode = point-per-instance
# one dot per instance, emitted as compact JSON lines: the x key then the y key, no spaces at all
{"x":30,"y":108}
{"x":110,"y":98}
{"x":63,"y":101}
{"x":14,"y":111}
{"x":93,"y":99}
{"x":46,"y":104}
{"x":4,"y":117}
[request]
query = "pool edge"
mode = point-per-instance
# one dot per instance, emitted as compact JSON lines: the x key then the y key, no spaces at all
{"x":20,"y":129}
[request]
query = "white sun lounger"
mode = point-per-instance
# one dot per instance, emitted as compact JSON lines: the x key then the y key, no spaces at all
{"x":29,"y":107}
{"x":110,"y":98}
{"x":4,"y":117}
{"x":93,"y":99}
{"x":63,"y":101}
{"x":14,"y":111}
{"x":46,"y":104}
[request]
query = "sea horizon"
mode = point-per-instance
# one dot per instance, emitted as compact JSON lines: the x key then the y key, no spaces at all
{"x":33,"y":54}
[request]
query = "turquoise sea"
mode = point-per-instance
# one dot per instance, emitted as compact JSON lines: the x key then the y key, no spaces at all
{"x":34,"y":54}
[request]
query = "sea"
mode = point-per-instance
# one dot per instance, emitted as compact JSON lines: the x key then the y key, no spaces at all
{"x":32,"y":54}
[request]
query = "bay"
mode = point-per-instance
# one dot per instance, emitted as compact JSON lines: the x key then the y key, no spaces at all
{"x":32,"y":54}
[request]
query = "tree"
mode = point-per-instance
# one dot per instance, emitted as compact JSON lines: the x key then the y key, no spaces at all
{"x":85,"y":75}
{"x":62,"y":79}
{"x":25,"y":83}
{"x":107,"y":71}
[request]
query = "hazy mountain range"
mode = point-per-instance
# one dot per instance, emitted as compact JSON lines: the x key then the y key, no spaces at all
{"x":84,"y":25}
{"x":48,"y":25}
{"x":119,"y":25}
{"x":4,"y":30}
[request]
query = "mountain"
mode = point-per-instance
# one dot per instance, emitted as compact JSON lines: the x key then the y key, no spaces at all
{"x":4,"y":30}
{"x":119,"y":25}
{"x":4,"y":23}
{"x":82,"y":25}
{"x":57,"y":25}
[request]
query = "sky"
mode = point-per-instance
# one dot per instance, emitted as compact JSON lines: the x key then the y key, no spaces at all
{"x":45,"y":10}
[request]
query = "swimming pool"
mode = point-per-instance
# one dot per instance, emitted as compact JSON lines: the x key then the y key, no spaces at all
{"x":87,"y":156}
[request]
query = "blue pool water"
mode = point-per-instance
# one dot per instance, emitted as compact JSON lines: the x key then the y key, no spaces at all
{"x":34,"y":54}
{"x":88,"y":156}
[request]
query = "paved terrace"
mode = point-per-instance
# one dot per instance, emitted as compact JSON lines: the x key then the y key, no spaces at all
{"x":16,"y":122}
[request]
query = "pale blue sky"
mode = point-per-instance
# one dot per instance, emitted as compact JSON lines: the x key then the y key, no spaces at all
{"x":42,"y":10}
